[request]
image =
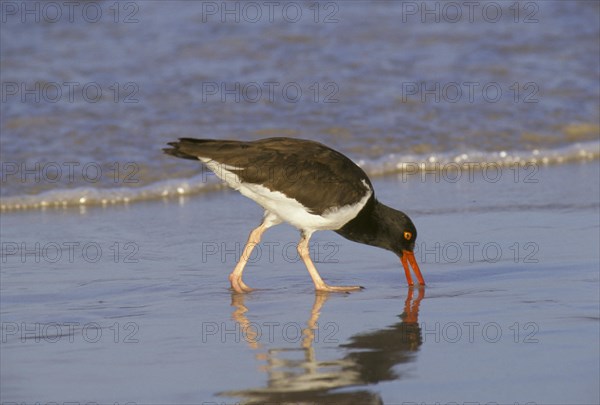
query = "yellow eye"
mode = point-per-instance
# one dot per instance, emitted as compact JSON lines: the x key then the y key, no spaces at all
{"x":407,"y":235}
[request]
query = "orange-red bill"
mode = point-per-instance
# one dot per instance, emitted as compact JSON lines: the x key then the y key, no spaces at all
{"x":409,"y":257}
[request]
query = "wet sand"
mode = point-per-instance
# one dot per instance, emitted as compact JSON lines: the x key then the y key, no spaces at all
{"x":131,"y":303}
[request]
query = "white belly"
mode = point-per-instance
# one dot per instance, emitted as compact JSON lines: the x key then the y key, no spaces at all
{"x":286,"y":208}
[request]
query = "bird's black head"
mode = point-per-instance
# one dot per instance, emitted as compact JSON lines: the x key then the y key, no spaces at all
{"x":387,"y":228}
{"x":406,"y":234}
{"x":397,"y":231}
{"x":401,"y":236}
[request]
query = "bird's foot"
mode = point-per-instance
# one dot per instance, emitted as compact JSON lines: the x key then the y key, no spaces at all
{"x":238,"y":285}
{"x":330,"y":288}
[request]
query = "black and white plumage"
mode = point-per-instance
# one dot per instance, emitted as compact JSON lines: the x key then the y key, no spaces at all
{"x":310,"y":186}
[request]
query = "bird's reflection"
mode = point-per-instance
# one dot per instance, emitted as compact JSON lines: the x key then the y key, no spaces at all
{"x":367,"y":358}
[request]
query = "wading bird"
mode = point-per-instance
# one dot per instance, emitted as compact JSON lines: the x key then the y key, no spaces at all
{"x":309,"y":186}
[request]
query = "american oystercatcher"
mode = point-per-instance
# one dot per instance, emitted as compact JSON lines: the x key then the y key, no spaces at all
{"x":309,"y":186}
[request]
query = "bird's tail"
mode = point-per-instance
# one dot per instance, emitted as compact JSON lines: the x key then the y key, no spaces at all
{"x":184,"y":146}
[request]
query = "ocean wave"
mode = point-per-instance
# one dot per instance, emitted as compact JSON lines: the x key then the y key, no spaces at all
{"x":385,"y":165}
{"x":395,"y":163}
{"x":83,"y":196}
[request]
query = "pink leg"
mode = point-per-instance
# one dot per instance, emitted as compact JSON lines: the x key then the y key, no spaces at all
{"x":235,"y":277}
{"x":320,"y":285}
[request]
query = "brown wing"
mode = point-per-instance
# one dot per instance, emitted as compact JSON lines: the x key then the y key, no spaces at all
{"x":315,"y":175}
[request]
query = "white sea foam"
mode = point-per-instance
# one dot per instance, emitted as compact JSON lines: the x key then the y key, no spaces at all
{"x":388,"y":164}
{"x":396,"y":163}
{"x":83,"y":196}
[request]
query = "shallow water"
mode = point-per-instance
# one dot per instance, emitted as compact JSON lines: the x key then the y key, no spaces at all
{"x":156,"y":323}
{"x":115,"y":257}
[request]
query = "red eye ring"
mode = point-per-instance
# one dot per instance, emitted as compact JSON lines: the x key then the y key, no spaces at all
{"x":407,"y":235}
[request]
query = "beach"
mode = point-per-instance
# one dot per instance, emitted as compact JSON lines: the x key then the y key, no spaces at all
{"x":509,"y":313}
{"x":479,"y":120}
